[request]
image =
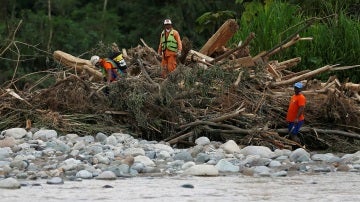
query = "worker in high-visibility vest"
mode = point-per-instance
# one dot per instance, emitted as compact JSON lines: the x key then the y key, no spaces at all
{"x":169,"y":48}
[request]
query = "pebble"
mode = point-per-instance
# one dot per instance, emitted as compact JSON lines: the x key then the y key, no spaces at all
{"x":188,"y":186}
{"x":9,"y":183}
{"x":55,"y":180}
{"x":107,"y":186}
{"x":58,"y":157}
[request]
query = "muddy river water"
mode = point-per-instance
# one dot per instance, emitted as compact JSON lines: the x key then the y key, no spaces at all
{"x":334,"y":186}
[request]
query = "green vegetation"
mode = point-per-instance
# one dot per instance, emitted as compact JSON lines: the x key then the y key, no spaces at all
{"x":30,"y":30}
{"x":335,"y":31}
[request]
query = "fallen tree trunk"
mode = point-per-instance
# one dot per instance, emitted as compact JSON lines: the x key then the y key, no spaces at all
{"x":220,"y":38}
{"x":302,"y":77}
{"x":79,"y":65}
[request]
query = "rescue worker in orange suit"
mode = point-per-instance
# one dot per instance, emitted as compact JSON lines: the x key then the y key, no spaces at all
{"x":295,"y":114}
{"x":109,"y":68}
{"x":169,"y":48}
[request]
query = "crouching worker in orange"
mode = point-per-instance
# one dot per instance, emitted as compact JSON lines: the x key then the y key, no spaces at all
{"x":169,"y":48}
{"x":108,"y":68}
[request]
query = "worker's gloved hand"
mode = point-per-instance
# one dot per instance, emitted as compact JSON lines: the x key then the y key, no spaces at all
{"x":178,"y":54}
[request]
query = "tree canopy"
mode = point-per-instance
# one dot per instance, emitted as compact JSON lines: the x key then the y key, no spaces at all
{"x":30,"y":30}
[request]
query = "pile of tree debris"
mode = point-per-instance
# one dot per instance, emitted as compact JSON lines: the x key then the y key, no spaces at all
{"x":217,"y":92}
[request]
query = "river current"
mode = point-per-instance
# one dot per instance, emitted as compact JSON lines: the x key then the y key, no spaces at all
{"x":333,"y":186}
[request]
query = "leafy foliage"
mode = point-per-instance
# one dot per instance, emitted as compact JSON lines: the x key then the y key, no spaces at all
{"x":336,"y":37}
{"x":78,"y":26}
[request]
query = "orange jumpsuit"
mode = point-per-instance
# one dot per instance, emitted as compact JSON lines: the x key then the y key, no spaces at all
{"x":168,"y":61}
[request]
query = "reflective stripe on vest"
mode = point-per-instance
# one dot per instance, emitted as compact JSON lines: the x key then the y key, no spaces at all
{"x":169,"y":43}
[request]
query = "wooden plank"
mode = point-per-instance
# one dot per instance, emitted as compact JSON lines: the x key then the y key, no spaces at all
{"x":220,"y":38}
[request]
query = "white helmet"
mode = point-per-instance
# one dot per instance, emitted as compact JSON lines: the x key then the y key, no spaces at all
{"x":167,"y":22}
{"x":94,"y":59}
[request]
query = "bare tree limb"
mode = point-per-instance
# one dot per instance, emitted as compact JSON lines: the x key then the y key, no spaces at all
{"x":247,"y":41}
{"x":12,"y":38}
{"x":302,"y":77}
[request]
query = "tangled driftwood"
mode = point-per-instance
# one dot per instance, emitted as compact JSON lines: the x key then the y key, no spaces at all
{"x":228,"y":95}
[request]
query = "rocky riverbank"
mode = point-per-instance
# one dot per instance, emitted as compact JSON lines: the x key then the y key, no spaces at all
{"x":44,"y":154}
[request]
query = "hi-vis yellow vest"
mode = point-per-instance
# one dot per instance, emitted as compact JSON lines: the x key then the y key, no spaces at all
{"x":170,"y":43}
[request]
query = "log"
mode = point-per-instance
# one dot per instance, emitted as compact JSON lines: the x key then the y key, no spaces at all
{"x":220,"y":38}
{"x":217,"y":119}
{"x":70,"y":60}
{"x":308,"y":23}
{"x":259,"y":60}
{"x":344,"y":68}
{"x":288,"y":63}
{"x":335,"y":132}
{"x":194,"y":55}
{"x":272,"y":69}
{"x":247,"y":41}
{"x":17,"y":96}
{"x":295,"y":74}
{"x":303,"y":76}
{"x":263,"y":57}
{"x":213,"y":121}
{"x":175,"y":140}
{"x":241,"y":62}
{"x":282,"y":47}
{"x":352,"y":86}
{"x":79,"y":65}
{"x":357,"y":96}
{"x":202,"y":63}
